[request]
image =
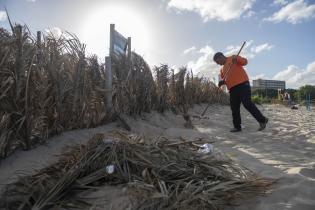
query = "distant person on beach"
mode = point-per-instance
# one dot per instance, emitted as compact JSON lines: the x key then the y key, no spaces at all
{"x":233,"y":75}
{"x":287,"y":98}
{"x":280,"y":95}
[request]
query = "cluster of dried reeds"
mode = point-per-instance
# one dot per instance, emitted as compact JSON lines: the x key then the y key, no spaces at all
{"x":159,"y":175}
{"x":46,"y":87}
{"x":134,"y":89}
{"x":182,"y":90}
{"x":49,"y":85}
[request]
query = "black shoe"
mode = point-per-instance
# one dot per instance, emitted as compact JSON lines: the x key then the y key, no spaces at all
{"x":262,"y":126}
{"x":234,"y":130}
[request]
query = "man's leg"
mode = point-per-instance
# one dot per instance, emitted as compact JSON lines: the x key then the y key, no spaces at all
{"x":249,"y":105}
{"x":235,"y":103}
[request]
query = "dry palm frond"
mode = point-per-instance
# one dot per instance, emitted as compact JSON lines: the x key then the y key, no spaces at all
{"x":160,"y":175}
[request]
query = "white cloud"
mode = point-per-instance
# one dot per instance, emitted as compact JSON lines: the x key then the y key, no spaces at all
{"x":233,"y":49}
{"x":190,"y":50}
{"x":3,"y":15}
{"x":249,"y":14}
{"x":280,"y":2}
{"x":262,"y":47}
{"x":250,"y":50}
{"x":55,"y":32}
{"x":296,"y":77}
{"x":205,"y":66}
{"x":294,"y":12}
{"x":31,"y":0}
{"x":213,"y":10}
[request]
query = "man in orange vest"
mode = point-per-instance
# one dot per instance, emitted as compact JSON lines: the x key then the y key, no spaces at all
{"x":235,"y":78}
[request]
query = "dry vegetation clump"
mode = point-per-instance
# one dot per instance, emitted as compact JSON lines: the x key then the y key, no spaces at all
{"x":182,"y":90}
{"x":46,"y":87}
{"x":158,"y":175}
{"x":134,"y":89}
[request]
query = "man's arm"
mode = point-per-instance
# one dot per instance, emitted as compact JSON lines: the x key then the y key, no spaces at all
{"x":221,"y":73}
{"x":241,"y":61}
{"x":221,"y":82}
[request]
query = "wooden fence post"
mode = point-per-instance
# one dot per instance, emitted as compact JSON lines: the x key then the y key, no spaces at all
{"x":129,"y":50}
{"x":39,"y":46}
{"x":111,"y":37}
{"x":108,"y":70}
{"x":108,"y":84}
{"x":39,"y":39}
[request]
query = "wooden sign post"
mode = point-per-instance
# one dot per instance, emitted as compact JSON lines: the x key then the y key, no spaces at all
{"x":118,"y":46}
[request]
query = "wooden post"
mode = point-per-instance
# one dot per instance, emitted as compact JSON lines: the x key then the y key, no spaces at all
{"x":108,"y":84}
{"x":308,"y":102}
{"x":111,"y":37}
{"x":129,"y":49}
{"x":19,"y":65}
{"x":39,"y":48}
{"x":129,"y":58}
{"x":39,"y":39}
{"x":108,"y":70}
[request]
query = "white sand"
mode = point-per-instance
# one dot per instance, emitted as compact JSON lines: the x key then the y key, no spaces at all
{"x":285,"y":150}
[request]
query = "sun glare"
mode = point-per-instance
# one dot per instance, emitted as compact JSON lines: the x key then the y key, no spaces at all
{"x":95,"y":29}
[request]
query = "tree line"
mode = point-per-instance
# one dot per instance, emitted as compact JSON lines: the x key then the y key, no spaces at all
{"x":298,"y":95}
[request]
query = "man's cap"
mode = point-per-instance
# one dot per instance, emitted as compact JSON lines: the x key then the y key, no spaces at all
{"x":217,"y":55}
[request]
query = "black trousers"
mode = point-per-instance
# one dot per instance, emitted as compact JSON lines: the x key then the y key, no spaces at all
{"x":242,"y":94}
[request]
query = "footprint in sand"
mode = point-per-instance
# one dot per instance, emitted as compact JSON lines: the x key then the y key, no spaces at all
{"x":308,"y":172}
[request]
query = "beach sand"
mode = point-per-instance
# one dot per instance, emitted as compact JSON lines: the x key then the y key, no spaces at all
{"x":284,"y":151}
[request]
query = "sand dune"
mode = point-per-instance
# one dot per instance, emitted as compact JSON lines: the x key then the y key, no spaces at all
{"x":284,"y":151}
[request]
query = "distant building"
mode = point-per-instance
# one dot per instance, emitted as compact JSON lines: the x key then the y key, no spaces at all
{"x":268,"y":84}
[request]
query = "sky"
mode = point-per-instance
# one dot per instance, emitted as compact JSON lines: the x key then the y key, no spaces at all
{"x":280,"y":34}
